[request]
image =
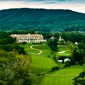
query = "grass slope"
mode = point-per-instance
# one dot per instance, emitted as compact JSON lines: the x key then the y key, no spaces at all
{"x":40,"y":63}
{"x":63,"y":50}
{"x":61,"y":77}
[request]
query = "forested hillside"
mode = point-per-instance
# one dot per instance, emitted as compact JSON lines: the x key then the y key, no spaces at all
{"x":41,"y":20}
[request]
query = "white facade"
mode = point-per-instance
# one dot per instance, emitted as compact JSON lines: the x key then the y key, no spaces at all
{"x":28,"y":38}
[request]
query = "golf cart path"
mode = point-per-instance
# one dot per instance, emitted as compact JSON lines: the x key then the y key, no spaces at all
{"x":40,"y":51}
{"x":62,"y":52}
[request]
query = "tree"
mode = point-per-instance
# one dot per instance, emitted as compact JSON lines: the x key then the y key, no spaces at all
{"x":15,"y":69}
{"x":6,"y":39}
{"x":77,"y":56}
{"x":77,"y":53}
{"x":80,"y":79}
{"x":13,"y":47}
{"x":52,"y":43}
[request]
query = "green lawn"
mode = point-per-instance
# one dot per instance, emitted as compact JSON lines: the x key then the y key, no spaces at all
{"x":65,"y":49}
{"x":61,"y":77}
{"x":30,"y":51}
{"x":40,"y":63}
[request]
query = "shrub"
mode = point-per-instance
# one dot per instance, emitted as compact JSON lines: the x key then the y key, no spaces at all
{"x":54,"y":68}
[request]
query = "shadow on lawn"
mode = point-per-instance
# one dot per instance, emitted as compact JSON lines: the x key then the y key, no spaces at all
{"x":52,"y":70}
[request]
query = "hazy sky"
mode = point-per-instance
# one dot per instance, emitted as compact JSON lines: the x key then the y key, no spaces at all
{"x":76,"y":5}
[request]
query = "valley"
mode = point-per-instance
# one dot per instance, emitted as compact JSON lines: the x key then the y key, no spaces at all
{"x":43,"y":63}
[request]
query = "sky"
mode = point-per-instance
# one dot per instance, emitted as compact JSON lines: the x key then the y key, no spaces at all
{"x":75,"y":5}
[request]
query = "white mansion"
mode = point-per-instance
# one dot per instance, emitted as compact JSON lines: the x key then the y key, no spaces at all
{"x":29,"y":38}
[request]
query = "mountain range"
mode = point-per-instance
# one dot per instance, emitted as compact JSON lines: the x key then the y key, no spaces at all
{"x":46,"y":20}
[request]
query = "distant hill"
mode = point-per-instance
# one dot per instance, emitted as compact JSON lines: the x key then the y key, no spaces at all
{"x":41,"y":20}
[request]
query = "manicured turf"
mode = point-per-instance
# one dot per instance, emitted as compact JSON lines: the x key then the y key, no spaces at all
{"x":61,"y":77}
{"x":40,"y":63}
{"x":30,"y":51}
{"x":64,"y":49}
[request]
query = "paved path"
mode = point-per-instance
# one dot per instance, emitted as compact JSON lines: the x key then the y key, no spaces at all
{"x":62,"y":52}
{"x":40,"y":51}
